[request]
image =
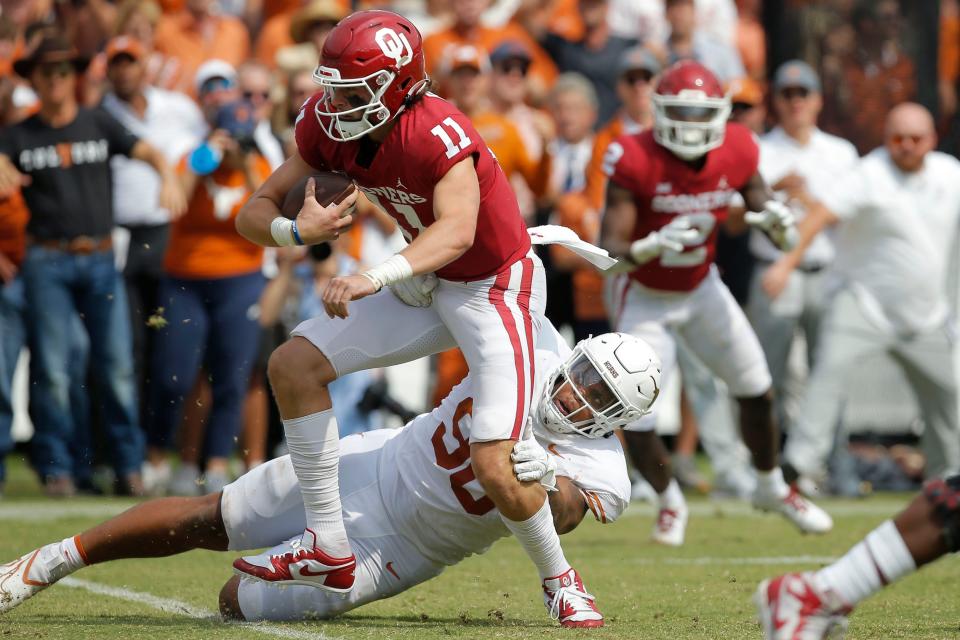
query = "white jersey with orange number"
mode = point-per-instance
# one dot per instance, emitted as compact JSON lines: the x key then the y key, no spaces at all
{"x":436,"y":502}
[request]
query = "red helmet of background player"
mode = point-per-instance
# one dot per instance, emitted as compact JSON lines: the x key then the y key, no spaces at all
{"x":690,"y":110}
{"x":372,"y":62}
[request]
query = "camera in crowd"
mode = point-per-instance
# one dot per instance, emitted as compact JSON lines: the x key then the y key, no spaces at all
{"x":237,"y":119}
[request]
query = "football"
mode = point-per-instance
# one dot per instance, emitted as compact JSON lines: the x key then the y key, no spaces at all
{"x":331,"y":188}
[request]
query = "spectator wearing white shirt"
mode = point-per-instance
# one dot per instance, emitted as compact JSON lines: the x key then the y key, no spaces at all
{"x":897,"y":215}
{"x":171,"y":122}
{"x":801,"y":162}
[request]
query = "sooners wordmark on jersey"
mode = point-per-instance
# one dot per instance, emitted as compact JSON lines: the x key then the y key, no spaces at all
{"x":427,"y":140}
{"x":665,"y":188}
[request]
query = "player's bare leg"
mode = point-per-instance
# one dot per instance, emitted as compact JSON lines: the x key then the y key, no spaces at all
{"x":525,"y":510}
{"x":762,"y":438}
{"x":813,"y":603}
{"x":154,"y":529}
{"x":299,"y":374}
{"x":652,"y":460}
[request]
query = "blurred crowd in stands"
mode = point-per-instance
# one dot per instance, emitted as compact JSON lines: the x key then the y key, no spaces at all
{"x":149,"y":320}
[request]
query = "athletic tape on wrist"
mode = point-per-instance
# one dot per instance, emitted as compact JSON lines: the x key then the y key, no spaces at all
{"x":393,"y":269}
{"x":282,"y":231}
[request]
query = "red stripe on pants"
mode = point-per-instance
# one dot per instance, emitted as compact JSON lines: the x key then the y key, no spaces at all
{"x":523,"y":301}
{"x":500,"y":285}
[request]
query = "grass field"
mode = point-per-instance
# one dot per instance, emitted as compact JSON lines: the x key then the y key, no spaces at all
{"x":702,"y":590}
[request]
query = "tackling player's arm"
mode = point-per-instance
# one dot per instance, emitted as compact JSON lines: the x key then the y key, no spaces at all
{"x":315,"y":223}
{"x":567,"y":504}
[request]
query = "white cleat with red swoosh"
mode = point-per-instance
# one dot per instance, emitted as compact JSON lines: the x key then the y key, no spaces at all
{"x":298,"y":562}
{"x":16,"y":583}
{"x":790,"y":607}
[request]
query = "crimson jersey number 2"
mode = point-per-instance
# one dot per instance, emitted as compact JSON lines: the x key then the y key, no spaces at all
{"x":459,"y":457}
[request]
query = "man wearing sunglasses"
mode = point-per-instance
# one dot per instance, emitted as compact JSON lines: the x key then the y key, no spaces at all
{"x":801,"y":163}
{"x":896,"y":214}
{"x":61,"y":158}
{"x":411,"y":503}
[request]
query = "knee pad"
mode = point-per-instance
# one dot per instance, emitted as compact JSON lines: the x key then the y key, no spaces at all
{"x":944,"y":495}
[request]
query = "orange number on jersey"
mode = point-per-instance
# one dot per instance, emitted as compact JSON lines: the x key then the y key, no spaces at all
{"x":450,"y":460}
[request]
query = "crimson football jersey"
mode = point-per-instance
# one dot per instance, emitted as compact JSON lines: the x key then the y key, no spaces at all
{"x":427,"y":140}
{"x":665,"y":187}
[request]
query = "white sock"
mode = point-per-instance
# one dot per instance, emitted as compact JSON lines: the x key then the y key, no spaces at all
{"x":57,"y":560}
{"x":539,"y":539}
{"x":872,"y":564}
{"x":314,"y":445}
{"x":672,"y":497}
{"x":772,"y":482}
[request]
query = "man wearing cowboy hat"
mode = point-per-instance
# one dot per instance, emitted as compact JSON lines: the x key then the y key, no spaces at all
{"x":60,"y":157}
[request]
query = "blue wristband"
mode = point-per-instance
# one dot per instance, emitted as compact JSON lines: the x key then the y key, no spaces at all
{"x":296,"y":233}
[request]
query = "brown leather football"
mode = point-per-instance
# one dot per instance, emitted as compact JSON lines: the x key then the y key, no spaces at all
{"x":331,"y":187}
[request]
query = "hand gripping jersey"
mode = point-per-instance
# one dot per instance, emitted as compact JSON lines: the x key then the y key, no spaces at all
{"x":665,"y":187}
{"x":426,"y":141}
{"x":437,"y":503}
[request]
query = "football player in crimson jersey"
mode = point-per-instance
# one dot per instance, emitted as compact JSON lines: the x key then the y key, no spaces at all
{"x":421,"y":160}
{"x":413,"y":505}
{"x":669,"y":188}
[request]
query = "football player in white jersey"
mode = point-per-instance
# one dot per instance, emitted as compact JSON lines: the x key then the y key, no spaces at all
{"x":411,"y":502}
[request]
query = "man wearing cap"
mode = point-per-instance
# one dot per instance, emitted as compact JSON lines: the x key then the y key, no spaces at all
{"x":171,"y":122}
{"x":596,"y":55}
{"x":890,"y":288}
{"x":747,"y":104}
{"x":801,"y":163}
{"x":636,"y":73}
{"x":60,"y":157}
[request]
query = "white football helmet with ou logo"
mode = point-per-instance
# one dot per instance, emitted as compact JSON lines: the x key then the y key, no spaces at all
{"x":607,"y":382}
{"x":690,"y":110}
{"x":376,"y":59}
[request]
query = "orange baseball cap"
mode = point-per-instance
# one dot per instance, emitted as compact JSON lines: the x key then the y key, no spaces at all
{"x":466,"y":57}
{"x":125,"y":45}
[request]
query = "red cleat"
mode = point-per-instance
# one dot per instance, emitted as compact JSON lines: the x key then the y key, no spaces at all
{"x":569,"y":603}
{"x":790,"y":607}
{"x":299,"y":563}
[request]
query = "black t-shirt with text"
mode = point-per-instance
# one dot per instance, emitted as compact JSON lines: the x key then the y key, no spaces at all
{"x":70,"y":193}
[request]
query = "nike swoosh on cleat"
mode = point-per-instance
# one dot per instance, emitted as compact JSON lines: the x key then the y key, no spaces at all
{"x":390,"y":568}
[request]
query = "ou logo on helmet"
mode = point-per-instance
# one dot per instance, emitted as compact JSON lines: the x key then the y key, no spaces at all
{"x":395,"y":46}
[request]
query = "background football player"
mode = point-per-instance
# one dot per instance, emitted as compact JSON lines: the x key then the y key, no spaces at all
{"x":668,"y":191}
{"x":420,"y":159}
{"x":413,"y":503}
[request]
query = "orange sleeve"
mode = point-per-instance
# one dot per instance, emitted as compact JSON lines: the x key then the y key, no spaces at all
{"x":233,"y":41}
{"x":451,"y":369}
{"x":535,"y":172}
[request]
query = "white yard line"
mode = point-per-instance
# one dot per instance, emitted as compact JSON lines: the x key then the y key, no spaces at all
{"x":42,"y":511}
{"x":735,"y":508}
{"x":168,"y":605}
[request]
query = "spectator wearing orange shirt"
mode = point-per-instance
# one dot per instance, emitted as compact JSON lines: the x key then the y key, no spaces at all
{"x":209,"y":294}
{"x":467,"y":30}
{"x":196,"y":34}
{"x":635,"y":82}
{"x":509,"y":96}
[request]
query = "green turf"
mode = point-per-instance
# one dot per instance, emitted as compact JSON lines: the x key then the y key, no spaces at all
{"x":644,"y":590}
